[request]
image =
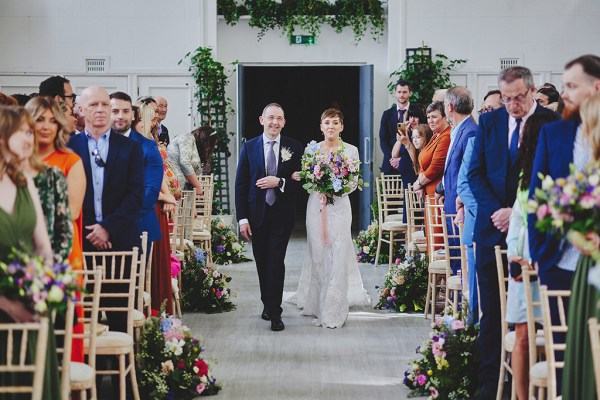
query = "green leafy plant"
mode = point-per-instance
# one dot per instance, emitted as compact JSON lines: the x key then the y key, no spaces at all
{"x":307,"y":15}
{"x":226,"y":247}
{"x":405,"y":286}
{"x":426,"y":74}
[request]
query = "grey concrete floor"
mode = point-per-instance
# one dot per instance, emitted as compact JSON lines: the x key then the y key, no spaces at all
{"x":365,"y":359}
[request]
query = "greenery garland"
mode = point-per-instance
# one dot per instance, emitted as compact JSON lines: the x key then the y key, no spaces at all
{"x":307,"y":15}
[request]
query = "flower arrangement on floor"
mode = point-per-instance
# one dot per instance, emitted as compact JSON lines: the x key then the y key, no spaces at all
{"x":204,"y":288}
{"x":405,"y":285}
{"x":330,"y":174}
{"x":366,"y":246}
{"x":447,"y":366}
{"x":171,"y":364}
{"x":226,"y":247}
{"x":38,"y":286}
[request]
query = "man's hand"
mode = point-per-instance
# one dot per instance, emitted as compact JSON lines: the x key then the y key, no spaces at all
{"x":246,"y":231}
{"x":394,"y":162}
{"x":296,"y":176}
{"x":99,"y":237}
{"x":501,"y":219}
{"x":268,"y":182}
{"x":460,"y":216}
{"x":439,"y":198}
{"x":459,"y":203}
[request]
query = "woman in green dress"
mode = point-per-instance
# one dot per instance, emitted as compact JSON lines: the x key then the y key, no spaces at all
{"x":578,"y":376}
{"x":22,"y":224}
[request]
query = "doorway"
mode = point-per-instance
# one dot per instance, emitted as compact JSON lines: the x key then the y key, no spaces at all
{"x":305,"y":92}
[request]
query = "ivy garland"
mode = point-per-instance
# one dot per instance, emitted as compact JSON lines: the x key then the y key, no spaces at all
{"x":307,"y":15}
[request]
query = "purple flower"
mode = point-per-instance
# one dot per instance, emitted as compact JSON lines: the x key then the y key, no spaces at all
{"x":220,"y":249}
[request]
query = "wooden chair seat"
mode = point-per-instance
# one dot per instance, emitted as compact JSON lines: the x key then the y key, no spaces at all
{"x":138,"y":319}
{"x":539,"y":374}
{"x":509,"y":341}
{"x":393,"y":226}
{"x":394,"y":217}
{"x":82,"y":376}
{"x":454,"y":283}
{"x":438,"y":266}
{"x":421,"y":247}
{"x":100,"y":328}
{"x":112,"y":343}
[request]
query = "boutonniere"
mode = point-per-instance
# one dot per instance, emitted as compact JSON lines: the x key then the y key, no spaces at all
{"x":286,"y":154}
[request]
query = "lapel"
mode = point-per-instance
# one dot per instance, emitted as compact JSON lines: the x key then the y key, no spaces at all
{"x":565,"y":149}
{"x":502,"y":136}
{"x":113,"y":151}
{"x":260,"y":152}
{"x":282,"y":144}
{"x":81,"y":148}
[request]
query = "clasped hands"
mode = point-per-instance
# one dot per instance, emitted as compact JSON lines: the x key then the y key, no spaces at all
{"x":98,"y":237}
{"x":268,"y":182}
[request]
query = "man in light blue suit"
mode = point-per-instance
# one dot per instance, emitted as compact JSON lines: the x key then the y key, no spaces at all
{"x":121,"y":117}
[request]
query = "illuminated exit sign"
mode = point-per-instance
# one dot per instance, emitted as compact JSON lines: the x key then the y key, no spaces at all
{"x":302,"y":39}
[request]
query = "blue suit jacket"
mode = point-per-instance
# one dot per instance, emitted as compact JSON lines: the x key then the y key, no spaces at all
{"x":153,"y":176}
{"x":464,"y":191}
{"x":387,"y":138}
{"x":467,"y":130}
{"x":250,"y":200}
{"x":553,"y":155}
{"x":488,"y":174}
{"x":123,"y":192}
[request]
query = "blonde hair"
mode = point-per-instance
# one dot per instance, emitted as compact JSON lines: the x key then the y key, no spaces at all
{"x":11,"y":119}
{"x":590,"y":118}
{"x":38,"y":105}
{"x":146,"y":116}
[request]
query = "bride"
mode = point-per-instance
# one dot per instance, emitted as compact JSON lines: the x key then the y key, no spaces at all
{"x":330,"y":281}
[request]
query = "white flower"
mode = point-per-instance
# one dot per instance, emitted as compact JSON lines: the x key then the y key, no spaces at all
{"x":286,"y":154}
{"x":203,"y":379}
{"x":175,"y":346}
{"x":594,"y":276}
{"x":40,"y":307}
{"x":547,"y":183}
{"x":56,"y":294}
{"x":236,"y":247}
{"x":594,"y":180}
{"x":366,"y":249}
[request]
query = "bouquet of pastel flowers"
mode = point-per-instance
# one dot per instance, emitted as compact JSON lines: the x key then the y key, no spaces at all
{"x":330,"y":174}
{"x":226,"y":247}
{"x":204,"y":287}
{"x":41,"y":287}
{"x":447,"y":367}
{"x":405,"y":285}
{"x":171,"y":364}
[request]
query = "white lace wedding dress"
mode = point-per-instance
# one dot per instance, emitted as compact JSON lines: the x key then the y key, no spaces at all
{"x":330,"y":281}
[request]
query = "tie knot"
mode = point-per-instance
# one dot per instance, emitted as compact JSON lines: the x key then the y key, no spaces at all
{"x":271,"y":143}
{"x":519,"y":120}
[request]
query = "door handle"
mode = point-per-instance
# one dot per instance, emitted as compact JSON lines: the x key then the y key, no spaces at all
{"x":367,"y":147}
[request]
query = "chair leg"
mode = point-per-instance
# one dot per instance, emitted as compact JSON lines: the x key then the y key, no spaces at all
{"x":502,"y":374}
{"x":134,"y":384}
{"x":391,"y":249}
{"x":122,"y":386}
{"x":433,"y":295}
{"x":428,"y":294}
{"x":378,"y":248}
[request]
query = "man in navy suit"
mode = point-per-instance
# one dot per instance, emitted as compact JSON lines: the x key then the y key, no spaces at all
{"x":493,"y":178}
{"x":121,"y":116}
{"x":115,"y":185}
{"x":389,"y":125}
{"x":265,"y":201}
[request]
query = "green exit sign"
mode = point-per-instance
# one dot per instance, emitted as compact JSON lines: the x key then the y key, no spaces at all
{"x":302,"y":39}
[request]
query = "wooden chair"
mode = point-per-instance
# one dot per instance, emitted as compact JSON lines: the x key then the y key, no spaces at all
{"x":415,"y":223}
{"x":119,"y":268}
{"x":390,"y":201}
{"x":182,"y":238}
{"x":508,"y":336}
{"x":399,"y":201}
{"x":83,"y":375}
{"x":16,"y":359}
{"x":439,"y":262}
{"x":550,"y":328}
{"x":64,"y":335}
{"x":143,"y":301}
{"x":594,"y":328}
{"x":202,"y":224}
{"x":454,"y":283}
{"x":535,"y":338}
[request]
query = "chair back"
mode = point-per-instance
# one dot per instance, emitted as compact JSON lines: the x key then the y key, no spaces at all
{"x":550,"y":329}
{"x":142,"y":270}
{"x":90,"y":302}
{"x":64,"y":346}
{"x":502,"y":285}
{"x":534,"y":336}
{"x":594,"y":328}
{"x":436,"y":229}
{"x":415,"y":215}
{"x":16,"y":358}
{"x":464,"y":265}
{"x":392,"y":197}
{"x":204,"y":203}
{"x":119,"y":270}
{"x":183,"y":222}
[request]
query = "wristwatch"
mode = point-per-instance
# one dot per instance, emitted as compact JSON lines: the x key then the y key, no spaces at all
{"x":280,"y":184}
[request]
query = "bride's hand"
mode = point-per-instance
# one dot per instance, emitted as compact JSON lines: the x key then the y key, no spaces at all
{"x":296,"y":176}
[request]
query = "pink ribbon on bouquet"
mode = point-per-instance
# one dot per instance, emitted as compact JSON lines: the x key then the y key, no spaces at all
{"x":324,"y":230}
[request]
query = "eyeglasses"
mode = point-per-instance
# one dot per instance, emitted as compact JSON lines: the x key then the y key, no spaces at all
{"x":485,"y":109}
{"x":97,"y":159}
{"x":70,"y":96}
{"x":517,"y":99}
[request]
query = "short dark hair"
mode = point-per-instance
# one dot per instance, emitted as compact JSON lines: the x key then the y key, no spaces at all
{"x":552,"y":94}
{"x":590,"y":64}
{"x":121,"y":96}
{"x":491,"y":93}
{"x":511,"y":74}
{"x":22,"y":99}
{"x":333,"y":113}
{"x":436,"y":105}
{"x":146,"y":100}
{"x":54,"y":86}
{"x":416,"y":110}
{"x":403,"y":82}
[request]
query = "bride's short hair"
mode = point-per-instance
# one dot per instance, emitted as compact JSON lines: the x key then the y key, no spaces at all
{"x":332,"y":113}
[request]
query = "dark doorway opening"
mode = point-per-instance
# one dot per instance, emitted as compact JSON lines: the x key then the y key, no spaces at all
{"x":304,"y":92}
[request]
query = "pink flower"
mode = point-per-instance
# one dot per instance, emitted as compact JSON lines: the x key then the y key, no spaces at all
{"x":345,"y":172}
{"x":458,"y":324}
{"x":542,"y":211}
{"x":336,"y":170}
{"x":434,"y":392}
{"x":200,"y":388}
{"x":421,"y":379}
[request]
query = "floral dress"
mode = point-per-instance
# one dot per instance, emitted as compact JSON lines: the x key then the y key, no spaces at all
{"x":54,"y":196}
{"x":170,"y":176}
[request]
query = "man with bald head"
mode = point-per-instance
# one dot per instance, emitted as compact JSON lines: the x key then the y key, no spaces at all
{"x":163,"y":107}
{"x":115,"y":182}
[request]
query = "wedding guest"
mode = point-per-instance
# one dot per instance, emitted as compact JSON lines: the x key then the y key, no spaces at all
{"x":389,"y":124}
{"x":21,"y":99}
{"x":206,"y":140}
{"x":493,"y":179}
{"x":59,"y":88}
{"x":546,"y":96}
{"x":163,"y":108}
{"x":184,"y":157}
{"x":518,"y":256}
{"x":70,"y":118}
{"x":491,"y":101}
{"x":404,"y":166}
{"x":439,"y":95}
{"x":7,"y":100}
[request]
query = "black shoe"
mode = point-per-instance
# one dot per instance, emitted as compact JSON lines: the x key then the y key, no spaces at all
{"x":265,"y":315}
{"x":277,"y":323}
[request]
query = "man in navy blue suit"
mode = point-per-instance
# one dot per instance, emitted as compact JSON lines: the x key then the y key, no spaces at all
{"x":265,"y":201}
{"x":493,"y":176}
{"x":121,"y":116}
{"x":115,"y":184}
{"x":389,"y":127}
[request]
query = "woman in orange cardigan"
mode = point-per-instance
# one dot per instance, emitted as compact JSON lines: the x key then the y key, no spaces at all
{"x":432,"y":157}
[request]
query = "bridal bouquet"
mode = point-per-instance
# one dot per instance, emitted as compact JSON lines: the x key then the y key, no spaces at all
{"x":331,"y":174}
{"x":447,"y":366}
{"x":204,"y":288}
{"x":171,"y":364}
{"x":570,"y":204}
{"x":40,"y":287}
{"x":405,"y":285}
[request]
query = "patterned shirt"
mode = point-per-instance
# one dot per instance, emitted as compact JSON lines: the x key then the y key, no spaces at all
{"x":184,"y":157}
{"x":98,"y":171}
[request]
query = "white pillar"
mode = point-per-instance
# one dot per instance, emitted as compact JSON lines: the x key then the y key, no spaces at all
{"x":396,"y":34}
